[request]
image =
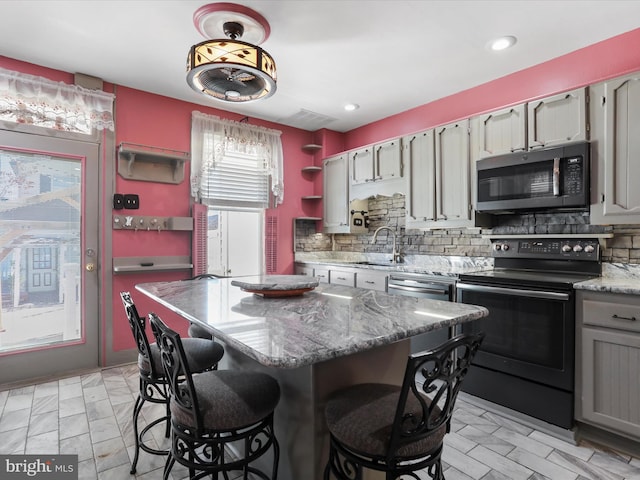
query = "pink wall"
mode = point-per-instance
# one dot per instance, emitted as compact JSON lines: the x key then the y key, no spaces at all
{"x":610,"y":58}
{"x":149,"y":119}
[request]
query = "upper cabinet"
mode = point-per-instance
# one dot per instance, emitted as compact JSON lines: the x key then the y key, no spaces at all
{"x":615,"y":149}
{"x":439,"y":194}
{"x":376,"y":170}
{"x":340,"y":215}
{"x":550,"y":121}
{"x":558,"y":119}
{"x":500,"y":132}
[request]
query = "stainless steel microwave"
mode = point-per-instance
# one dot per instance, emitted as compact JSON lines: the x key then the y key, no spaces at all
{"x":551,"y":178}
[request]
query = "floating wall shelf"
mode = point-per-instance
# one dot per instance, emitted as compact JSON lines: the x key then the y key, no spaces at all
{"x":151,"y":164}
{"x":312,"y":169}
{"x":151,"y":264}
{"x":311,"y":147}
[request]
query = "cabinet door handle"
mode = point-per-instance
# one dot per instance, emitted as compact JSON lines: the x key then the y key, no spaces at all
{"x":341,"y":278}
{"x":618,"y":317}
{"x":369,"y":282}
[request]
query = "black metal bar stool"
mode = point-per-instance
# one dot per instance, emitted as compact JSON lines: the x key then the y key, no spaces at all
{"x":394,"y":429}
{"x":203,"y":355}
{"x":217,"y":412}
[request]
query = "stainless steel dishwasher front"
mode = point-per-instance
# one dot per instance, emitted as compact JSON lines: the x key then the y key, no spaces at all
{"x":424,"y":286}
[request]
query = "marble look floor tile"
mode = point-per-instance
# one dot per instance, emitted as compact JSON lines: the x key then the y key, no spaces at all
{"x":109,"y":454}
{"x":115,"y":473}
{"x":69,"y":381}
{"x":616,"y":463}
{"x":70,"y":390}
{"x":487,"y":440}
{"x":87,"y":470}
{"x":45,"y":443}
{"x":508,"y":423}
{"x":14,"y":441}
{"x":501,"y":464}
{"x":74,"y":425}
{"x":12,"y":419}
{"x":581,"y":467}
{"x":526,"y":443}
{"x":28,"y":390}
{"x":99,"y":409}
{"x":44,"y":404}
{"x":71,"y":406}
{"x":91,"y":380}
{"x":94,"y":393}
{"x":46,"y":422}
{"x":581,"y":452}
{"x":104,"y":429}
{"x":541,"y":465}
{"x":46,"y":389}
{"x":495,"y":475}
{"x":147,"y":462}
{"x":79,"y":445}
{"x":121,"y":395}
{"x":18,"y":402}
{"x":459,"y":442}
{"x":480,"y":423}
{"x":450,"y":474}
{"x":465,"y":463}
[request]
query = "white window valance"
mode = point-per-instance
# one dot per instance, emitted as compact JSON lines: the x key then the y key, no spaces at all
{"x":232,"y":163}
{"x":38,"y":101}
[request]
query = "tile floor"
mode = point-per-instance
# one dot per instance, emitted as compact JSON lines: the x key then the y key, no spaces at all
{"x":90,"y":415}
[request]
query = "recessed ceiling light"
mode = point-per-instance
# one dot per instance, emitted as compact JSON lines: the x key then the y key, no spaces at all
{"x":350,"y":107}
{"x":503,"y":43}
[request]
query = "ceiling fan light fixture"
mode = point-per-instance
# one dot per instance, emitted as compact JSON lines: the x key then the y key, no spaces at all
{"x":229,"y":69}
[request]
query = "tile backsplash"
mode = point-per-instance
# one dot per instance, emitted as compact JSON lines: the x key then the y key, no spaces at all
{"x":624,"y":247}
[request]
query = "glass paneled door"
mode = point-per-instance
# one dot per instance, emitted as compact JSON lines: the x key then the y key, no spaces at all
{"x":48,"y":256}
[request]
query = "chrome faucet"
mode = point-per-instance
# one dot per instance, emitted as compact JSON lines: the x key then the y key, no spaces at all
{"x":396,"y":253}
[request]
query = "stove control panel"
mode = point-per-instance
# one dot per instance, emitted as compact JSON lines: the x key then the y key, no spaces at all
{"x":547,"y":248}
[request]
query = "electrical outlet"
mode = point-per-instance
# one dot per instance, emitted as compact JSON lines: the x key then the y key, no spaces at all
{"x":131,"y":201}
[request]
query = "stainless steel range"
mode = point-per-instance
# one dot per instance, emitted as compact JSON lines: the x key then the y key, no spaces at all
{"x":527,"y":359}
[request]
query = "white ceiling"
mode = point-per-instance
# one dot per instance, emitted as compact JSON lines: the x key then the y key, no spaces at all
{"x":386,"y":56}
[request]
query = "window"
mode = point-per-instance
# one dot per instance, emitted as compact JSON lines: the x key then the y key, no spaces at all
{"x":234,"y":165}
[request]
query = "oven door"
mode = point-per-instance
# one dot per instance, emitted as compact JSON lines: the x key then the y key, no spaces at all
{"x":529,"y":333}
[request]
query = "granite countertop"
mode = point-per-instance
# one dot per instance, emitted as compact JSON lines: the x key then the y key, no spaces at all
{"x":616,"y":278}
{"x":435,"y":265}
{"x":327,"y":322}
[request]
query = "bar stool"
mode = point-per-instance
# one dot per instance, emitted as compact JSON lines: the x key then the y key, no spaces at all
{"x":399,"y":429}
{"x":203,"y":355}
{"x":216,"y":412}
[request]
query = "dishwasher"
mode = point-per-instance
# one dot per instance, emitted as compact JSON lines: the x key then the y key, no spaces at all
{"x":424,"y":286}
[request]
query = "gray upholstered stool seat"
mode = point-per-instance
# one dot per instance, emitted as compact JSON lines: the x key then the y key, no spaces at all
{"x":201,"y":354}
{"x":361,"y":418}
{"x":196,"y":331}
{"x":230,"y":399}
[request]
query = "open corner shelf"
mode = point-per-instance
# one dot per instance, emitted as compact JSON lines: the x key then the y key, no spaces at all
{"x":311,"y":147}
{"x":312,"y":197}
{"x":312,"y":169}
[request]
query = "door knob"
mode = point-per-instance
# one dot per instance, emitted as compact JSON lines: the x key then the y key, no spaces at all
{"x":90,"y":267}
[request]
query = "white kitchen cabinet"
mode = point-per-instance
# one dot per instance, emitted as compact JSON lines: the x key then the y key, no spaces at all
{"x":335,"y":172}
{"x":322,"y":274}
{"x":342,"y":277}
{"x":301,"y":269}
{"x":608,"y":387}
{"x":376,"y":170}
{"x":557,"y":119}
{"x":419,"y":153}
{"x":337,"y":216}
{"x":615,"y":150}
{"x":500,"y":132}
{"x":439,"y":192}
{"x":372,"y":280}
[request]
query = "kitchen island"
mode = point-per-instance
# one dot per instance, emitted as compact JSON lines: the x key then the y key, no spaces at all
{"x":313,"y":344}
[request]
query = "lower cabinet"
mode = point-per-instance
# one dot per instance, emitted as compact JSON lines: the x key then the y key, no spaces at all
{"x":350,"y":277}
{"x":609,"y":378}
{"x":372,"y":280}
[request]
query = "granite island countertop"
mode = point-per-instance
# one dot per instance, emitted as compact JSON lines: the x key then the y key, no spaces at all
{"x":328,"y":322}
